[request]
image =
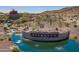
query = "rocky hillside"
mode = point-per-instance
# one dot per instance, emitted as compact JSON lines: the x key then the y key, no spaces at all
{"x":68,"y":16}
{"x":68,"y":11}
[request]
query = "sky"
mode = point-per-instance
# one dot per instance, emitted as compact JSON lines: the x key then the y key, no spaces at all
{"x":30,"y":9}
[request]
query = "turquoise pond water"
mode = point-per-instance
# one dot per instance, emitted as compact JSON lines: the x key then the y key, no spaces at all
{"x":67,"y":46}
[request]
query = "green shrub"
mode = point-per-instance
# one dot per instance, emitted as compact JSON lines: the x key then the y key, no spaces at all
{"x":15,"y":49}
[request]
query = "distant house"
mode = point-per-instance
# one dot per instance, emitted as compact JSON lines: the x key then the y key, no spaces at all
{"x":13,"y":15}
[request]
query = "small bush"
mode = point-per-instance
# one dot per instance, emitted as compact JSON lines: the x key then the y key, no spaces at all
{"x":9,"y":39}
{"x":75,"y":37}
{"x":75,"y":26}
{"x":1,"y":39}
{"x":15,"y":49}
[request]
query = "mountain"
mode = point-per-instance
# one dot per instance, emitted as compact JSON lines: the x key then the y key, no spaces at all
{"x":68,"y":11}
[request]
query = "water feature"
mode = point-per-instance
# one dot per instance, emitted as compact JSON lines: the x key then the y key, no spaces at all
{"x":30,"y":46}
